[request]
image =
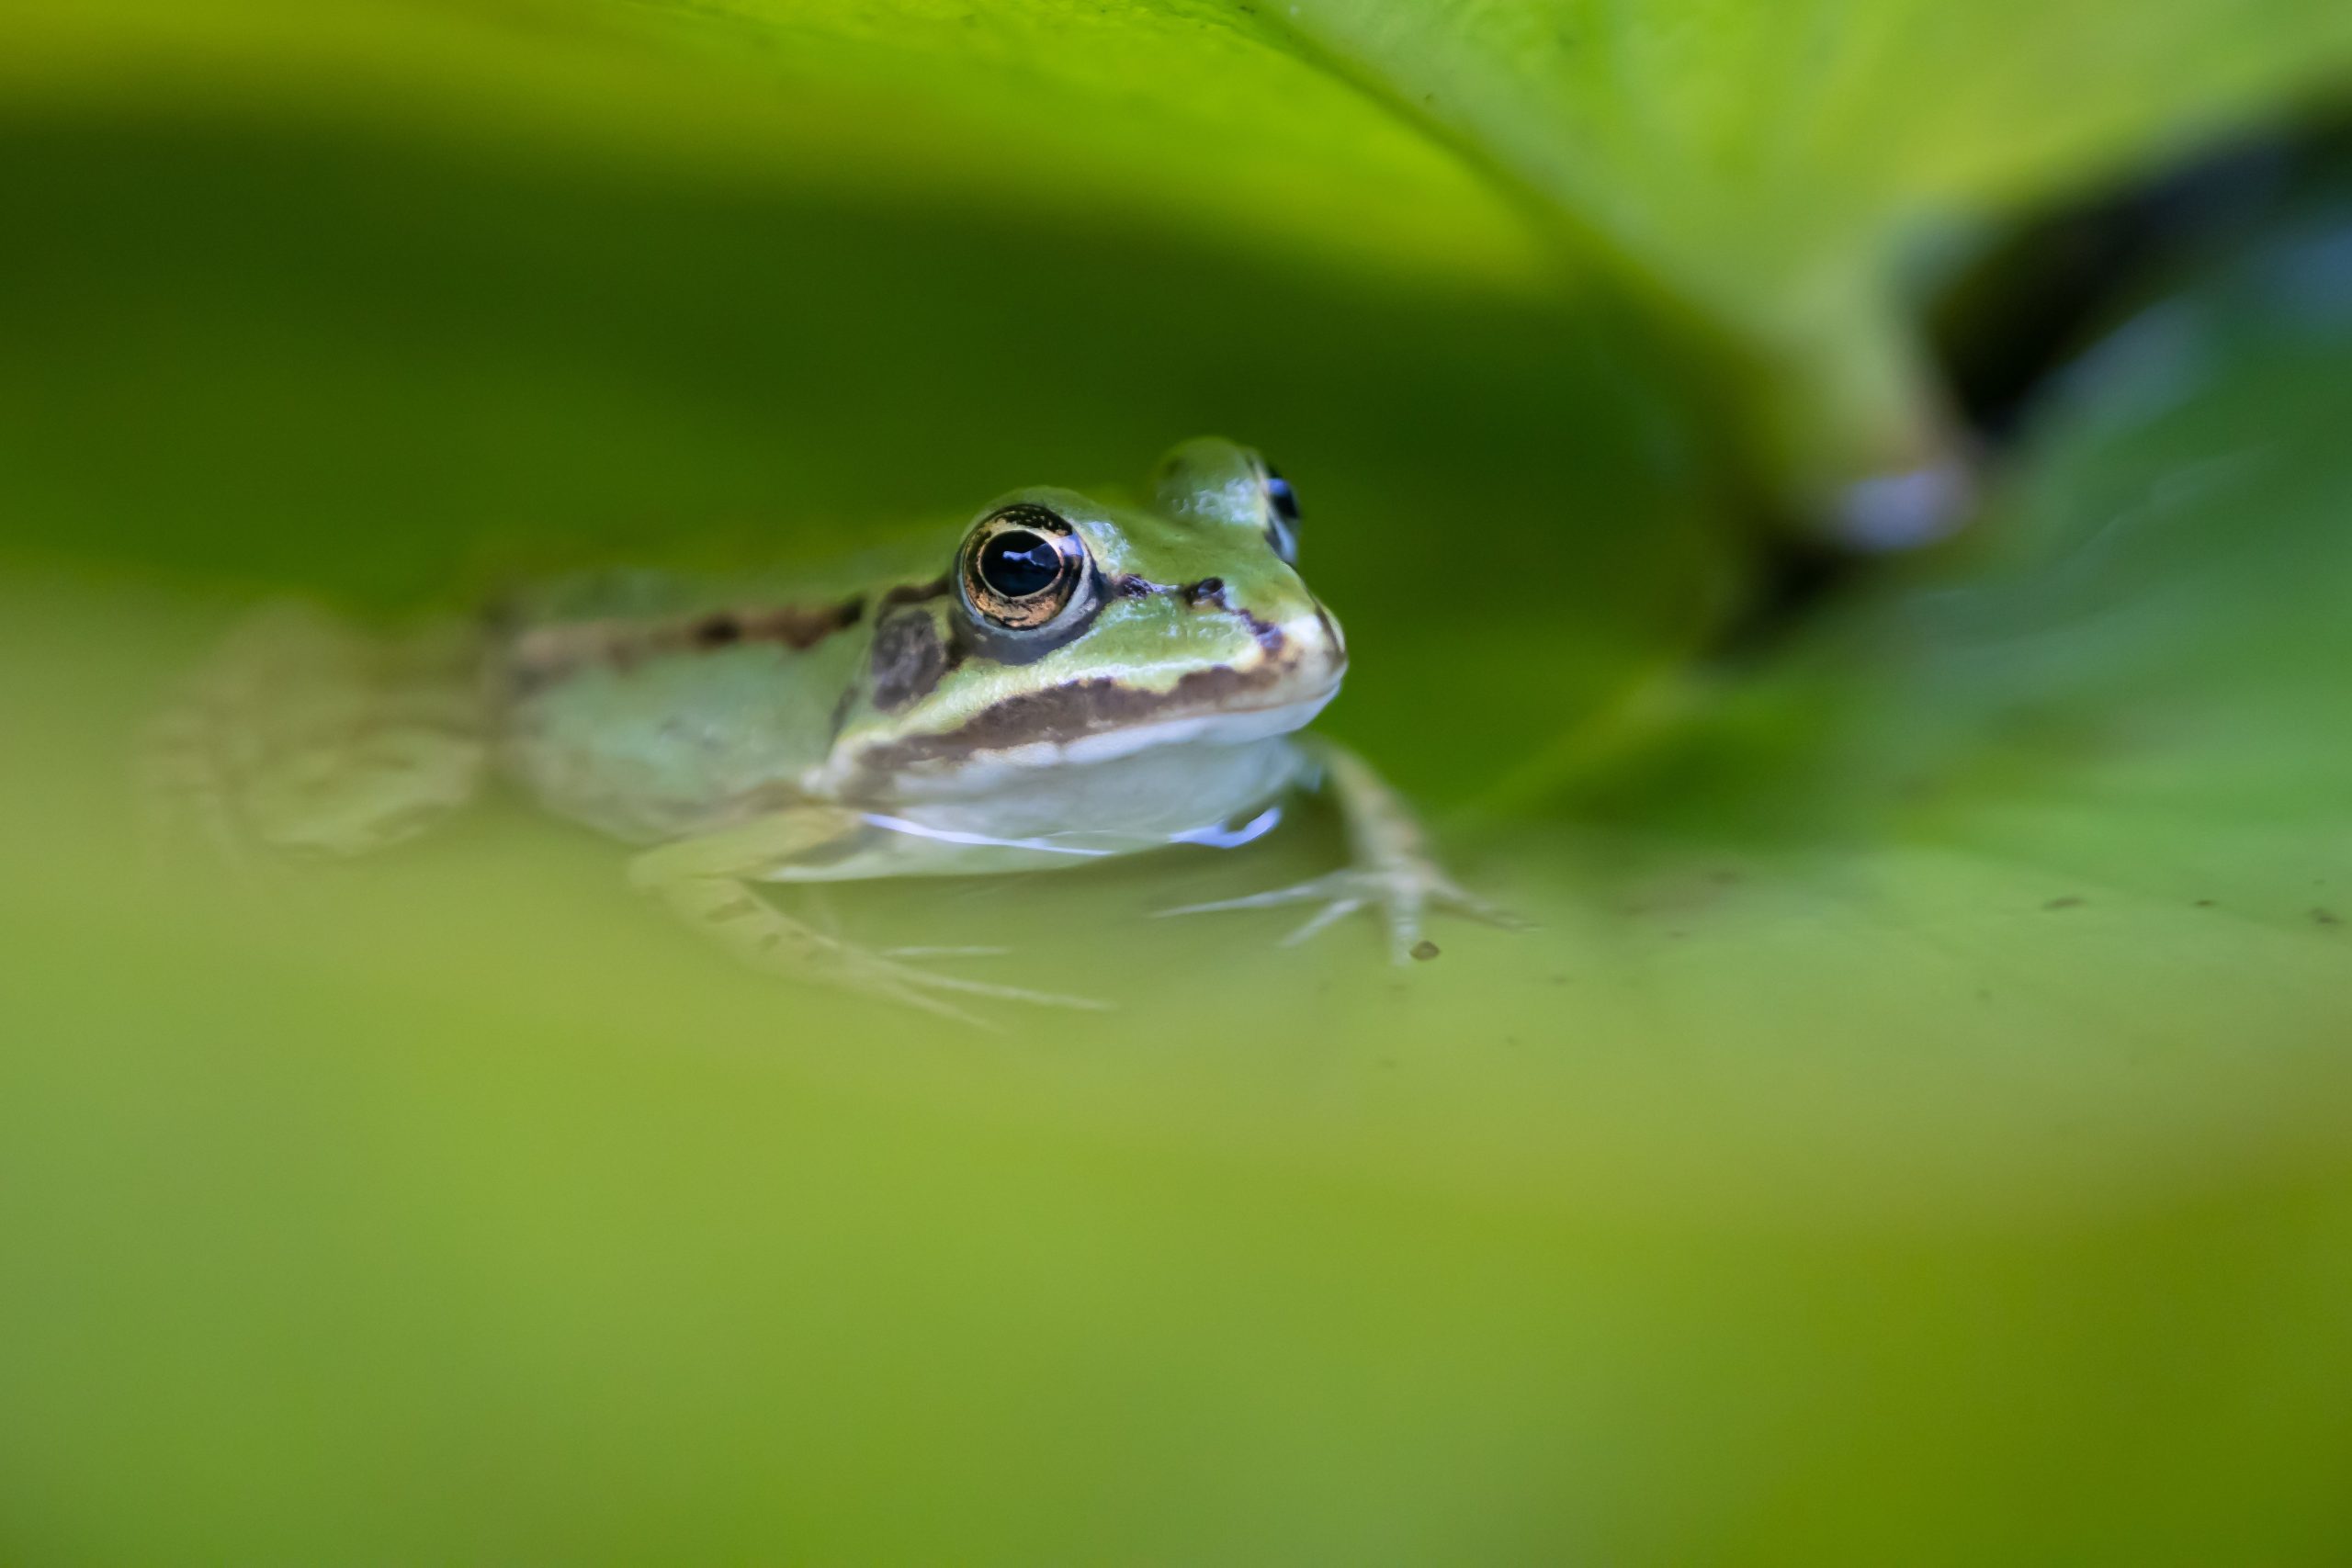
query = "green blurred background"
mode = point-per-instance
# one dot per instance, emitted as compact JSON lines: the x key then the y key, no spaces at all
{"x":1917,"y":1131}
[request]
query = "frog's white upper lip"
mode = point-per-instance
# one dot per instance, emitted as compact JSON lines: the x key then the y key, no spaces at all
{"x":981,"y":771}
{"x":1080,"y":724}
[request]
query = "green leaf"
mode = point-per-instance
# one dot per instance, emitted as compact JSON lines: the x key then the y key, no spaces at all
{"x":1777,"y":172}
{"x":1882,"y":1152}
{"x":1784,"y":170}
{"x":1196,"y":117}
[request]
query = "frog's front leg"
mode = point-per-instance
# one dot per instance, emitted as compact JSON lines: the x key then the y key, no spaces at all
{"x":1390,"y":870}
{"x":707,"y":882}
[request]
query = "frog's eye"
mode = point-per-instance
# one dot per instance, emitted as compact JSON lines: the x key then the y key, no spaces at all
{"x":1281,"y":512}
{"x":1021,"y":567}
{"x":1220,"y":483}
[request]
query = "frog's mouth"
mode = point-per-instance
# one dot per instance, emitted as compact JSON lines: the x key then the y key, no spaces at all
{"x":1101,"y":719}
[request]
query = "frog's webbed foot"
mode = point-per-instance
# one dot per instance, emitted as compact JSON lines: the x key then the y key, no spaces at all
{"x":886,"y":975}
{"x":767,"y":938}
{"x":1399,"y":894}
{"x":706,"y":882}
{"x":1393,"y":875}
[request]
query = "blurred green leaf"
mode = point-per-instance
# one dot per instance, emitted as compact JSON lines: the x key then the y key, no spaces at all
{"x":1882,"y":1151}
{"x":1195,"y":117}
{"x":1784,"y":170}
{"x":1914,"y":1134}
{"x":1775,"y":172}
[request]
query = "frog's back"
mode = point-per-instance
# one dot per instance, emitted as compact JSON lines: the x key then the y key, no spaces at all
{"x":650,"y":706}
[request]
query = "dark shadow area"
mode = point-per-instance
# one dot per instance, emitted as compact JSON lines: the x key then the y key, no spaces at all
{"x":2061,"y":278}
{"x":2035,"y":298}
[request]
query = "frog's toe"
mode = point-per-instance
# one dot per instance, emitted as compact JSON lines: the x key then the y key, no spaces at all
{"x":877,"y":970}
{"x":1333,"y":885}
{"x":1410,"y":892}
{"x":1455,"y":900}
{"x":1399,"y":895}
{"x":1341,"y":892}
{"x":923,"y":1001}
{"x":1329,"y":915}
{"x":1013,"y":993}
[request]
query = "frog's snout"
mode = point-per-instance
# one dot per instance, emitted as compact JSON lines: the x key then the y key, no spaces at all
{"x":1328,"y":643}
{"x":1286,"y":646}
{"x":1339,"y":639}
{"x":1305,"y":642}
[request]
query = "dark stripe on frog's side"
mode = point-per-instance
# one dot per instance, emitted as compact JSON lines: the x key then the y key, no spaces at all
{"x":1059,"y":714}
{"x":914,"y":593}
{"x":797,"y":627}
{"x":547,"y":653}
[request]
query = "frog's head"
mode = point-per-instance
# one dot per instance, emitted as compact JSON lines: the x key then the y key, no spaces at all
{"x":1066,"y":630}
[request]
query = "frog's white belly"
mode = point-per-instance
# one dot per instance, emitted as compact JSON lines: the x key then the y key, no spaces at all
{"x":1066,"y":816}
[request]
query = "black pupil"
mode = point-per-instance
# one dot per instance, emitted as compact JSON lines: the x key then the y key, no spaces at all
{"x":1284,"y":498}
{"x":1018,"y":563}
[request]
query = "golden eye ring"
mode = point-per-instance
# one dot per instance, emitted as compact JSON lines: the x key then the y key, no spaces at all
{"x":1022,"y":566}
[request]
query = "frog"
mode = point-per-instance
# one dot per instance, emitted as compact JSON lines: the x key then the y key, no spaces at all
{"x":1058,"y":681}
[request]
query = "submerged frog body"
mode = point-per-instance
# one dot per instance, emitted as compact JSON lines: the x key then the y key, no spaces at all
{"x":1063,"y":681}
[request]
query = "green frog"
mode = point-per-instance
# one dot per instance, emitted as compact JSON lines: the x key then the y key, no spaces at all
{"x":1062,"y":682}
